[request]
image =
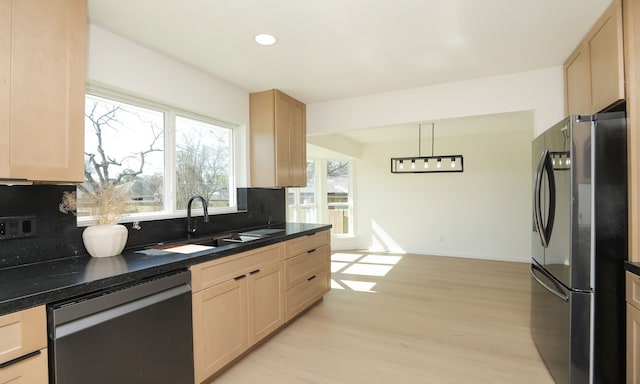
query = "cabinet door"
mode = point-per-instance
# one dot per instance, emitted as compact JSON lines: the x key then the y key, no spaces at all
{"x":5,"y":91}
{"x":277,"y":140}
{"x":219,"y":326}
{"x":22,"y":333}
{"x":577,"y":84}
{"x":633,"y":345}
{"x":302,"y":296}
{"x":298,"y":144}
{"x":606,"y":59}
{"x":47,"y":77}
{"x":266,"y":301}
{"x":33,"y":370}
{"x":283,"y":139}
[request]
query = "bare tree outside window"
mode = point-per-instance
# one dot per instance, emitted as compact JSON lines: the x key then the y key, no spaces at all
{"x":203,"y":164}
{"x":124,"y":147}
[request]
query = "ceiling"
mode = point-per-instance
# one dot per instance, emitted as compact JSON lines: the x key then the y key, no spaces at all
{"x":494,"y":124}
{"x":332,"y":49}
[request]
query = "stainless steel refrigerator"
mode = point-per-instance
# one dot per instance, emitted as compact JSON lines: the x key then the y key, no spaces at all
{"x":579,"y":241}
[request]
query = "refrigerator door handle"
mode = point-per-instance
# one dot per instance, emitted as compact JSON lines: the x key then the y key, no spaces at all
{"x":548,"y":165}
{"x":537,"y":191}
{"x":544,"y":232}
{"x":557,"y":291}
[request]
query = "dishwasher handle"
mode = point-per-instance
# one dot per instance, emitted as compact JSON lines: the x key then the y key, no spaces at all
{"x":80,"y":324}
{"x":78,"y":308}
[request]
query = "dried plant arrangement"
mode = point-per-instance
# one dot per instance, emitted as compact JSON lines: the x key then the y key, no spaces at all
{"x":69,"y":203}
{"x":106,"y":203}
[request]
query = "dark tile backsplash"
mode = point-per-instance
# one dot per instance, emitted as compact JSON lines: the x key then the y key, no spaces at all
{"x":57,"y":235}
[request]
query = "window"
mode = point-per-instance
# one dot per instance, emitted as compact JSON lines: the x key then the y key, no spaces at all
{"x":339,"y":197}
{"x":301,"y":202}
{"x":327,"y":198}
{"x":156,"y":156}
{"x":203,"y":162}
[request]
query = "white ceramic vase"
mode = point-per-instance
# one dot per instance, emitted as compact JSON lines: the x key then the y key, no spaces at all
{"x":105,"y":240}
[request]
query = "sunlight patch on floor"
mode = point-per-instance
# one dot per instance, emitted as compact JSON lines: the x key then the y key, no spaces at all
{"x":376,"y":265}
{"x":337,"y":266}
{"x":346,"y":257}
{"x":380,"y":259}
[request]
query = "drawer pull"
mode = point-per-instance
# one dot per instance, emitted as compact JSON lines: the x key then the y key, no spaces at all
{"x":311,"y":278}
{"x":19,"y":359}
{"x":254,"y":272}
{"x":311,"y":251}
{"x":239,"y":277}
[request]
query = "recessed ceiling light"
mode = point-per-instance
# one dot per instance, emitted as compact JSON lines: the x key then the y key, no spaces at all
{"x":265,"y":39}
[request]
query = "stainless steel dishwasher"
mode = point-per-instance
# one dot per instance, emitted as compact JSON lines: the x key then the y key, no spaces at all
{"x":140,"y":333}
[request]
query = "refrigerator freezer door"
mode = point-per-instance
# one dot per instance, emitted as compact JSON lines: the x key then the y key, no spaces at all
{"x":560,"y":327}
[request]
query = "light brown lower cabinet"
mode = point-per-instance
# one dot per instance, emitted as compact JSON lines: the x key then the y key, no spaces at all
{"x":633,"y":344}
{"x":266,"y":301}
{"x":32,"y":370}
{"x":632,"y":296}
{"x":307,"y":271}
{"x":233,"y":314}
{"x":219,"y":326}
{"x":241,"y":299}
{"x":23,"y":347}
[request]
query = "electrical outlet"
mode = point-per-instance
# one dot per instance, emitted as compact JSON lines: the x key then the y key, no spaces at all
{"x":15,"y":227}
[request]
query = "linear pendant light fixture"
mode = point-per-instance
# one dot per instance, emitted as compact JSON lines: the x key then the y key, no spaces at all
{"x":427,"y":164}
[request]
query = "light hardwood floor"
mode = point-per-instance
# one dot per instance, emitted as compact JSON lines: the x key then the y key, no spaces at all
{"x":406,"y":319}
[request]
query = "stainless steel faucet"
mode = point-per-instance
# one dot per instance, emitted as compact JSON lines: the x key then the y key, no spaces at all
{"x":191,"y":230}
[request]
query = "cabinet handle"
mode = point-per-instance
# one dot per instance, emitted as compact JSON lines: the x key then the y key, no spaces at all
{"x":254,"y":272}
{"x":19,"y":359}
{"x":311,"y":251}
{"x":311,"y":278}
{"x":239,"y":277}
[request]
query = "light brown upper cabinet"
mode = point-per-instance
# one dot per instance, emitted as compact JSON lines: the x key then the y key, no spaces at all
{"x":42,"y":77}
{"x":594,"y":72}
{"x":277,"y":140}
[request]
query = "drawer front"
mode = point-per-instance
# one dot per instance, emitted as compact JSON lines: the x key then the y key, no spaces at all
{"x":300,"y":297}
{"x":217,"y":271}
{"x":306,"y":243}
{"x":301,"y":267}
{"x":22,"y":333}
{"x":632,"y":290}
{"x":33,"y":370}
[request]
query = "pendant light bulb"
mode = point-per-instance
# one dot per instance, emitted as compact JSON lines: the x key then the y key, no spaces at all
{"x":426,"y":163}
{"x":453,"y":162}
{"x":401,"y":164}
{"x":413,"y":164}
{"x":439,"y":163}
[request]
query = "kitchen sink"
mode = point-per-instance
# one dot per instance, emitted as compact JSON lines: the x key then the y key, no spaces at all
{"x":219,"y":241}
{"x":210,"y":242}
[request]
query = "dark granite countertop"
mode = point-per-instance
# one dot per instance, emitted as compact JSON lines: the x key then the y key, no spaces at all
{"x":31,"y":285}
{"x":632,"y":266}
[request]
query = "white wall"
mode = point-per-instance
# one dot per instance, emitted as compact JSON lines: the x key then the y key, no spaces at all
{"x":540,"y":91}
{"x":124,"y":64}
{"x":118,"y":63}
{"x":482,"y":213}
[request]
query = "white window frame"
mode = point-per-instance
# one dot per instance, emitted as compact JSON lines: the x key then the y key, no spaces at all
{"x":321,"y":194}
{"x":170,"y":112}
{"x":350,"y":201}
